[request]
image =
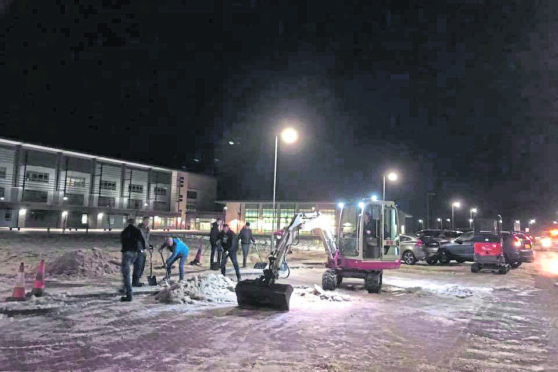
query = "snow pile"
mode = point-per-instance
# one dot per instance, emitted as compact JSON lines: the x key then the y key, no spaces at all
{"x":317,"y":292}
{"x":210,"y":288}
{"x":85,"y":263}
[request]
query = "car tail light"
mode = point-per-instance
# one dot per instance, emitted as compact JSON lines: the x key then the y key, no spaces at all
{"x":419,"y":243}
{"x":517,"y":242}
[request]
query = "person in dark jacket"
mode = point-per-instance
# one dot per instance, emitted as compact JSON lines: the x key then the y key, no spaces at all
{"x":140,"y":263}
{"x":245,"y":236}
{"x":132,"y":244}
{"x":229,"y":244}
{"x":216,"y":228}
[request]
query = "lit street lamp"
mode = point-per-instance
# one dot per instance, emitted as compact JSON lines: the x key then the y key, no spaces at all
{"x":453,"y":206}
{"x":391,"y":176}
{"x":288,"y":135}
{"x":470,"y":223}
{"x":473,"y":211}
{"x":440,"y":222}
{"x":448,"y":221}
{"x":420,"y":224}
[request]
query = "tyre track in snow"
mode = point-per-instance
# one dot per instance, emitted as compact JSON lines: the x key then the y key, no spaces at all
{"x":507,"y":333}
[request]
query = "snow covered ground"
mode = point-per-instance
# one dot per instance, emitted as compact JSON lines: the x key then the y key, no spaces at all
{"x":428,"y":318}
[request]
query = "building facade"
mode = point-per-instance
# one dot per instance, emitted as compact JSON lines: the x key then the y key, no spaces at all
{"x":260,"y":214}
{"x":46,"y":187}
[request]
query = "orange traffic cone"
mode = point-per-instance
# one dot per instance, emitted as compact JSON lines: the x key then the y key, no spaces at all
{"x":19,"y":290}
{"x":39,"y":285}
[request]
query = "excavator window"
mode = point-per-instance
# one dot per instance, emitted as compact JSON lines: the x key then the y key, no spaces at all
{"x":371,"y":232}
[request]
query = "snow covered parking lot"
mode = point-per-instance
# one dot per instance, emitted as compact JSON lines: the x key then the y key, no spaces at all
{"x":428,"y":318}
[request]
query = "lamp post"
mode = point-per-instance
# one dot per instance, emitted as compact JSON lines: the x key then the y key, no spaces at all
{"x":288,"y":135}
{"x":391,"y":176}
{"x":453,"y":206}
{"x":448,"y":221}
{"x":420,"y":224}
{"x":473,"y":211}
{"x":439,"y":220}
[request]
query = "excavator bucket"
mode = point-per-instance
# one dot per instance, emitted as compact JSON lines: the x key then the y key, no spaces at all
{"x":254,"y":293}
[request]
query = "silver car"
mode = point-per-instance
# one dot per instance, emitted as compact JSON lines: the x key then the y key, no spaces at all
{"x":414,"y":249}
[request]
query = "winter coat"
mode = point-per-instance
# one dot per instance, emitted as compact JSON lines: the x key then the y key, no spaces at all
{"x":179,"y":248}
{"x":214,"y":233}
{"x":131,"y":239}
{"x":145,"y":232}
{"x":245,"y":235}
{"x":227,"y":240}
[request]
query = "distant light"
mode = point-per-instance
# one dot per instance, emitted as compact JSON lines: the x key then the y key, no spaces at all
{"x":419,"y":221}
{"x":470,"y":220}
{"x":196,"y":160}
{"x":448,"y":220}
{"x":555,"y":222}
{"x":64,"y":214}
{"x":22,"y":211}
{"x":361,"y":205}
{"x":532,"y":221}
{"x":341,"y":205}
{"x":456,"y":204}
{"x":289,"y":135}
{"x":392,"y":176}
{"x":517,"y":221}
{"x":100,"y":215}
{"x":374,"y":198}
{"x":231,"y":143}
{"x":65,"y":197}
{"x":439,"y":219}
{"x":216,"y":160}
{"x":474,"y":210}
{"x":145,"y":204}
{"x":1,"y":198}
{"x":225,"y":208}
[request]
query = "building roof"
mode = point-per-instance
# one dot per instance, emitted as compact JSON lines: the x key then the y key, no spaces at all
{"x":4,"y":141}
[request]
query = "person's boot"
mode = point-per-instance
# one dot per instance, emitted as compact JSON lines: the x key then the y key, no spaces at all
{"x":127,"y":298}
{"x":137,"y":284}
{"x":238,"y":279}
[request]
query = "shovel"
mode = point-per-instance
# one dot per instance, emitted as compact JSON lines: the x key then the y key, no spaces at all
{"x":151,"y":279}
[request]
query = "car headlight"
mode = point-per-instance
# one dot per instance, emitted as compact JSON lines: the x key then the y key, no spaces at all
{"x":546,"y":242}
{"x":517,"y":243}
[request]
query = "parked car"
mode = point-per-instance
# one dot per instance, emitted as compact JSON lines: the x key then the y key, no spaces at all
{"x":440,"y":236}
{"x":415,"y":249}
{"x":525,"y":246}
{"x":461,"y":249}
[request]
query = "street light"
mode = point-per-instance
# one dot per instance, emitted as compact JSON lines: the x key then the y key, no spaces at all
{"x":391,"y":176}
{"x":374,"y":197}
{"x":288,"y":135}
{"x":448,"y":221}
{"x":453,"y":206}
{"x":473,"y":211}
{"x":470,"y":223}
{"x":440,"y":221}
{"x":420,"y":224}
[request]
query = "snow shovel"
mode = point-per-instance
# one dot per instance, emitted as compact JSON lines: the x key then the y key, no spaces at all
{"x":262,"y":264}
{"x":151,"y":279}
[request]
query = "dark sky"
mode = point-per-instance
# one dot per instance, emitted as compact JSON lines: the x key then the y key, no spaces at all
{"x":456,"y":95}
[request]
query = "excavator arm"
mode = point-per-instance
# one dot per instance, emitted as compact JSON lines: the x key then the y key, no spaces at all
{"x":264,"y":292}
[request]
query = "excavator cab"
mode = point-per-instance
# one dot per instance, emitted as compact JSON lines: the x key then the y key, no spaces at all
{"x":366,"y":245}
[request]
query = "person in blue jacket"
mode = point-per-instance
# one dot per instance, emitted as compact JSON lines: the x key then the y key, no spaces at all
{"x":179,"y":252}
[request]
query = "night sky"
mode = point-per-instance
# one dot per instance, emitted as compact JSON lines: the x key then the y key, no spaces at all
{"x":458,"y":96}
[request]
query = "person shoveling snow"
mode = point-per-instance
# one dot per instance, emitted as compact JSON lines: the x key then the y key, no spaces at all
{"x":179,"y":252}
{"x":207,"y":288}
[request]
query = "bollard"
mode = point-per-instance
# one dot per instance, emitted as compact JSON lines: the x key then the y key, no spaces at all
{"x":48,"y":230}
{"x":87,"y":229}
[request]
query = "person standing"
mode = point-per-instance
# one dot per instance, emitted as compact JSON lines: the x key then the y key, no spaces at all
{"x":132,"y":244}
{"x":140,"y":263}
{"x":216,"y":228}
{"x":245,"y":236}
{"x":179,"y":252}
{"x":227,"y":239}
